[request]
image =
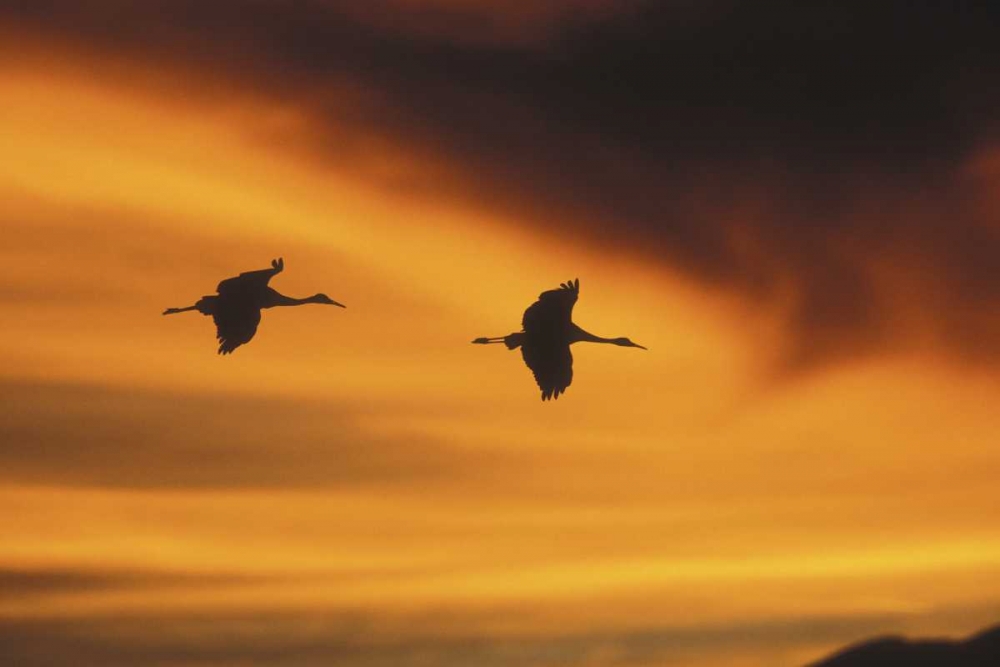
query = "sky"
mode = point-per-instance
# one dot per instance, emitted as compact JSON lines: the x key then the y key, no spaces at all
{"x":792,"y":205}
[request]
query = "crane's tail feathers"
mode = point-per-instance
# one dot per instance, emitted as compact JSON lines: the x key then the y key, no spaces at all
{"x":171,"y":311}
{"x":514,"y":340}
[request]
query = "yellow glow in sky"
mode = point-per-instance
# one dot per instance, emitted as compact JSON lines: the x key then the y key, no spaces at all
{"x":371,"y":461}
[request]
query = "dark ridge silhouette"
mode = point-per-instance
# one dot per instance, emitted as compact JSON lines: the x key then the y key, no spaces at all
{"x":981,"y":650}
{"x":236,"y":308}
{"x":547,"y":331}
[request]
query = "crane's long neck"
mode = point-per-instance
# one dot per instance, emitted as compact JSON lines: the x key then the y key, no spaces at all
{"x":581,"y":336}
{"x":282,"y":300}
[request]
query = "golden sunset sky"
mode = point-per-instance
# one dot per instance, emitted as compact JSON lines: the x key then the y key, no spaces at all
{"x":807,"y":244}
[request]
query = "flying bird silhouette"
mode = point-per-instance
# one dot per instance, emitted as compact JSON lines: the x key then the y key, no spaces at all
{"x":547,"y":332}
{"x":236,"y":308}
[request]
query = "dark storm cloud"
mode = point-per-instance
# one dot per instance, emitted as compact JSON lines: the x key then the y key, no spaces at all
{"x":772,"y":148}
{"x":91,"y":435}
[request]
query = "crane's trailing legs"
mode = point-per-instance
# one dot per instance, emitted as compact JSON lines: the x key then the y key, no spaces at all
{"x":205,"y":306}
{"x":171,"y":311}
{"x":512,"y":341}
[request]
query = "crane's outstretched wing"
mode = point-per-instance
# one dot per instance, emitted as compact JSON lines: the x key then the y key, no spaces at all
{"x":251,"y":280}
{"x":552,"y":366}
{"x":234,"y":328}
{"x":554,"y":309}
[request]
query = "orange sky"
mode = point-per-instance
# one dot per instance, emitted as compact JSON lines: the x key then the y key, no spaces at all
{"x":368,"y":484}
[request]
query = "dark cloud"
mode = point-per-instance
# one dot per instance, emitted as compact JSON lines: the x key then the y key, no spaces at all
{"x":367,"y":639}
{"x":20,"y":583}
{"x":92,"y":435}
{"x":439,"y":636}
{"x":779,"y":149}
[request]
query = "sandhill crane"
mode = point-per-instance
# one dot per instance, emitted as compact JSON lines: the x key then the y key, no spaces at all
{"x":236,"y":307}
{"x":547,"y":332}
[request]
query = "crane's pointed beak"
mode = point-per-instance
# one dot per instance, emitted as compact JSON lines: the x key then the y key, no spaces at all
{"x":639,"y":346}
{"x":337,"y":303}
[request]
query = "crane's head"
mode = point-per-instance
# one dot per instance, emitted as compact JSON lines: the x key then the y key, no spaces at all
{"x":625,"y":342}
{"x":322,"y":298}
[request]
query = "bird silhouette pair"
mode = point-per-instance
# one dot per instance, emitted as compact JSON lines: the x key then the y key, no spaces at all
{"x":547,"y":328}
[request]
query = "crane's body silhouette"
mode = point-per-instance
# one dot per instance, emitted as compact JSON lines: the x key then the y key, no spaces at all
{"x":547,"y":332}
{"x":236,"y":308}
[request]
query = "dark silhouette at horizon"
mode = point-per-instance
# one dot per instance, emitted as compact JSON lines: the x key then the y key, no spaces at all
{"x":547,"y":331}
{"x":236,"y":308}
{"x":979,"y":650}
